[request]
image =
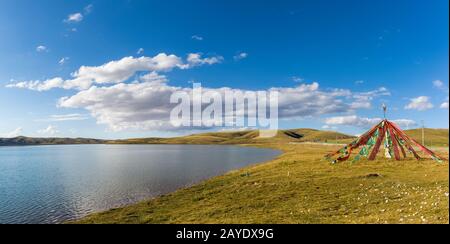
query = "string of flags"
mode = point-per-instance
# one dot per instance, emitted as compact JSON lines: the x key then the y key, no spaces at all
{"x":385,"y":135}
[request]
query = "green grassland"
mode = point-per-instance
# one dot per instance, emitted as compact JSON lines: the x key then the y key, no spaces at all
{"x":433,"y":137}
{"x":247,"y":137}
{"x":300,"y":186}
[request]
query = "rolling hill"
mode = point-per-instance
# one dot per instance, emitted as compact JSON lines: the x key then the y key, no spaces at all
{"x":246,"y":137}
{"x":233,"y":137}
{"x":433,"y":137}
{"x":28,"y":141}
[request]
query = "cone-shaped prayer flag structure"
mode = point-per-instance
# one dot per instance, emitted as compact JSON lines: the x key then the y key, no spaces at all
{"x":388,"y":135}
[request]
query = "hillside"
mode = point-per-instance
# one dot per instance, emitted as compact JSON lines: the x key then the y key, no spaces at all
{"x":235,"y":137}
{"x":433,"y":137}
{"x":246,"y":137}
{"x":28,"y":141}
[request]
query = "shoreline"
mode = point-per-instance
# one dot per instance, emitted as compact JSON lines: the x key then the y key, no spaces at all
{"x":281,"y":152}
{"x":298,"y":186}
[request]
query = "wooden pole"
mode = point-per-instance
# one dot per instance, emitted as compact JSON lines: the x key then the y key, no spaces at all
{"x":423,"y":133}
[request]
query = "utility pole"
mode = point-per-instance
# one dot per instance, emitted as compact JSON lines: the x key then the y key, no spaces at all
{"x":423,"y":133}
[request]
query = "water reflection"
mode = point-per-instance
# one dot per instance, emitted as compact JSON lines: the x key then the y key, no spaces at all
{"x":51,"y":184}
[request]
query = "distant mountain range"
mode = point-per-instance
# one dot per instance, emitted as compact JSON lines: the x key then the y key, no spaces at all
{"x":434,"y":137}
{"x":28,"y":141}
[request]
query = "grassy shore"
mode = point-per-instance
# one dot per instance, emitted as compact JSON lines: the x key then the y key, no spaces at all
{"x":300,"y":187}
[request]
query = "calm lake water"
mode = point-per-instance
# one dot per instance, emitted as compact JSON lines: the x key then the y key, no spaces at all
{"x":52,"y":184}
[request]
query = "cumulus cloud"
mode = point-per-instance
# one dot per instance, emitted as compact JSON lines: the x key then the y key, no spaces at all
{"x":361,"y":104}
{"x":79,"y":16}
{"x":354,"y":120}
{"x":38,"y":85}
{"x":308,"y":100}
{"x":117,"y":71}
{"x":145,"y":104}
{"x":421,"y":103}
{"x":74,"y":18}
{"x":240,"y":56}
{"x":15,"y":133}
{"x":444,"y":105}
{"x":111,"y":97}
{"x":363,"y":100}
{"x":195,"y":59}
{"x":41,"y":49}
{"x":49,"y":131}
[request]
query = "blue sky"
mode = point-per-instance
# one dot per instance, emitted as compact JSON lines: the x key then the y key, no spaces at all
{"x":394,"y":52}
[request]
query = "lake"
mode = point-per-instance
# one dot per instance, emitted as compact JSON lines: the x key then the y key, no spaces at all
{"x":53,"y":184}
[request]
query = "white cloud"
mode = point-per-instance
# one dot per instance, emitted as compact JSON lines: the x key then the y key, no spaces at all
{"x":196,"y":37}
{"x":353,"y":120}
{"x":421,"y":103}
{"x":114,"y":100}
{"x":88,"y":9}
{"x":144,"y":104}
{"x":15,"y":133}
{"x":64,"y":117}
{"x":444,"y":105}
{"x":63,"y":61}
{"x":328,"y":127}
{"x":153,"y":78}
{"x":363,"y":100}
{"x":79,"y":16}
{"x":297,"y":79}
{"x":406,"y":123}
{"x":41,"y":49}
{"x":140,"y":51}
{"x":74,"y":18}
{"x":38,"y":85}
{"x":359,"y":82}
{"x":195,"y":59}
{"x":117,"y":71}
{"x":361,"y":104}
{"x":438,"y":84}
{"x":121,"y":70}
{"x":308,"y":100}
{"x":240,"y":56}
{"x":49,"y":131}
